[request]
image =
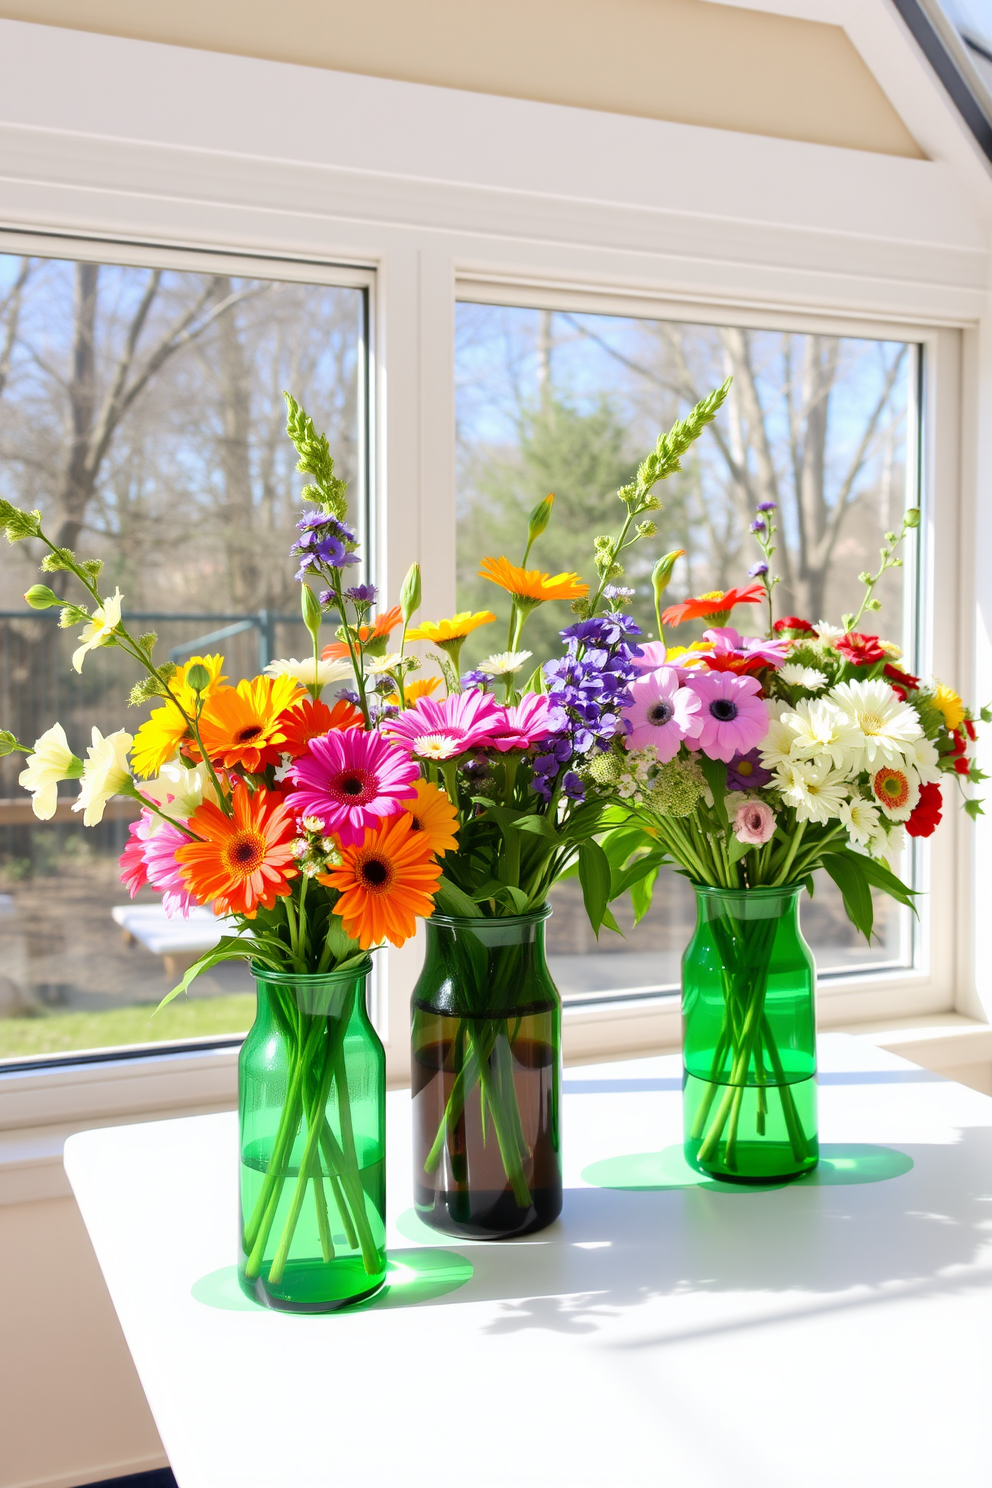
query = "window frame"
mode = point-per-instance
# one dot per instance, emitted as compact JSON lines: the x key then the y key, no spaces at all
{"x":564,"y":205}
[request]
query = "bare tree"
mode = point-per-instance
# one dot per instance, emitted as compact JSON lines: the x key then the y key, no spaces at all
{"x":11,"y":313}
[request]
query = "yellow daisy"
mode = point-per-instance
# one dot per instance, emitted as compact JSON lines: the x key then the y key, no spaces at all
{"x":441,"y":632}
{"x":950,"y":705}
{"x":159,"y":737}
{"x":530,"y":583}
{"x":432,"y":813}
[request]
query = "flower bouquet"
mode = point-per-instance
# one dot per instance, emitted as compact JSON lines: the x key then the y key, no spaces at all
{"x":749,"y":763}
{"x":310,"y":833}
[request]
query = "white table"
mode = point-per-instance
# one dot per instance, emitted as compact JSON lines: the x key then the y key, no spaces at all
{"x":825,"y":1333}
{"x":178,"y":939}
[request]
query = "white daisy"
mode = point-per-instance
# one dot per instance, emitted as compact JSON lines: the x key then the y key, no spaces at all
{"x":178,"y":791}
{"x":326,"y":671}
{"x":794,"y":675}
{"x":923,"y":756}
{"x":889,"y":727}
{"x":815,"y":790}
{"x":896,"y":788}
{"x":438,"y":746}
{"x":819,"y":728}
{"x":887,"y":844}
{"x":860,"y":819}
{"x":379,"y":666}
{"x":828,"y":635}
{"x":776,"y":746}
{"x":504,"y":663}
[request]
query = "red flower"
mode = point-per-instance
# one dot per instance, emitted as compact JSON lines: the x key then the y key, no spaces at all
{"x":970,"y":729}
{"x":860,"y":650}
{"x":708,"y":606}
{"x":902,"y":682}
{"x":960,"y":752}
{"x":793,"y":623}
{"x":733,"y":661}
{"x":925,"y":816}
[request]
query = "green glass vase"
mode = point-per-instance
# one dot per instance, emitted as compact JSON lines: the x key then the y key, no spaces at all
{"x":311,"y":1102}
{"x":487,"y":1078}
{"x":749,"y":1037}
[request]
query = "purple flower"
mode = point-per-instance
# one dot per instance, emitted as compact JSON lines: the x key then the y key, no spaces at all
{"x":767,"y":506}
{"x":325,"y":543}
{"x":617,"y":591}
{"x":757,"y":570}
{"x":481,"y":680}
{"x":362,"y":594}
{"x":572,"y":787}
{"x":746,"y":772}
{"x":758,"y":525}
{"x":662,"y":712}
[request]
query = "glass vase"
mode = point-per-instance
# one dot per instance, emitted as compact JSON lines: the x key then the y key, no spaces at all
{"x":311,"y":1100}
{"x":749,"y":1038}
{"x":487,"y":1078}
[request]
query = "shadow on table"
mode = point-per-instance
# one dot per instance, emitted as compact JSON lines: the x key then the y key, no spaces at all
{"x":412,"y":1276}
{"x":615,"y":1249}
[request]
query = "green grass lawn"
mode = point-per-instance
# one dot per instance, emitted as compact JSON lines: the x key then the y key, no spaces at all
{"x":57,"y":1033}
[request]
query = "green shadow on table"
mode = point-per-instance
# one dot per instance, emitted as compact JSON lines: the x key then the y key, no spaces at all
{"x":412,"y":1276}
{"x":840,"y":1163}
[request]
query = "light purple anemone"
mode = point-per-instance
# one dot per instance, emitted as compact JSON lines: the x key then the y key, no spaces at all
{"x":734,"y":717}
{"x":662,"y":712}
{"x":728,"y":641}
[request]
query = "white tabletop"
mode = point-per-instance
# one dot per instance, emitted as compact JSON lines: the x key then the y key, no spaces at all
{"x":831,"y":1332}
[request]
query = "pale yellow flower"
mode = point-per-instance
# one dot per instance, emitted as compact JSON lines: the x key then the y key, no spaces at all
{"x":51,"y":761}
{"x":105,"y":774}
{"x":103,"y":622}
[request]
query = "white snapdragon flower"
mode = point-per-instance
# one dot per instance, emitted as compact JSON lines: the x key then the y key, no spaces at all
{"x":504,"y":663}
{"x":178,"y":791}
{"x":794,"y":675}
{"x":819,"y":728}
{"x":50,"y":762}
{"x":815,"y":790}
{"x":105,"y":773}
{"x":888,"y":727}
{"x":828,"y":634}
{"x":326,"y":672}
{"x":860,"y":820}
{"x":103,"y":622}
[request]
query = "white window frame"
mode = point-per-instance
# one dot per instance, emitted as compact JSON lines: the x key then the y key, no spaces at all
{"x":158,"y":149}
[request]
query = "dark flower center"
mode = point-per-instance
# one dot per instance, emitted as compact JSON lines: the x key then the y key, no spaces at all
{"x":416,"y":825}
{"x":375,"y":873}
{"x":355,"y":786}
{"x":660,"y":713}
{"x":251,"y":732}
{"x":246,"y":852}
{"x":723,"y":710}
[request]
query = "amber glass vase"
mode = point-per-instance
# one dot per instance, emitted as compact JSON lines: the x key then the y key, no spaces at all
{"x":487,"y":1078}
{"x":749,"y":1037}
{"x":311,"y":1094}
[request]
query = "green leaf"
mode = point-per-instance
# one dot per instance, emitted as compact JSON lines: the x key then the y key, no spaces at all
{"x":342,"y":947}
{"x":641,"y":895}
{"x":974,"y":809}
{"x":715,"y":775}
{"x":611,"y":923}
{"x":736,"y":849}
{"x":228,"y":948}
{"x":535,"y":682}
{"x":594,"y":876}
{"x":539,"y":825}
{"x":623,"y":878}
{"x":450,"y":900}
{"x":882,"y":878}
{"x":516,"y":896}
{"x":848,"y":874}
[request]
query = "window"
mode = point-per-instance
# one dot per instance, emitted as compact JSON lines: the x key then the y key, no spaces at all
{"x":824,"y":425}
{"x":141,"y":409}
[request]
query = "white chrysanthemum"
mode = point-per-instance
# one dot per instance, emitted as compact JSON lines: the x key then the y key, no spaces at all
{"x":776,"y":746}
{"x":889,"y":727}
{"x":815,"y":790}
{"x":379,"y":666}
{"x":177,"y":791}
{"x":924,"y":757}
{"x":100,"y":628}
{"x":50,"y":761}
{"x":819,"y":728}
{"x":860,"y":820}
{"x":504,"y":663}
{"x":828,"y":634}
{"x":896,"y":788}
{"x":438,"y":746}
{"x":794,"y":675}
{"x":887,"y":844}
{"x":105,"y":774}
{"x":326,"y":671}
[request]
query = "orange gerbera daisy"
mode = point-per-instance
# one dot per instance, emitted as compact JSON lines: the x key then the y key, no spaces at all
{"x":367,"y":634}
{"x":242,"y":726}
{"x":385,"y":883}
{"x":306,"y":720}
{"x":530,"y":583}
{"x":710,"y":606}
{"x":242,"y":860}
{"x":432,"y":813}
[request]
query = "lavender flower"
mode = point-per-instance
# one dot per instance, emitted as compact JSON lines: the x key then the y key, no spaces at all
{"x":758,"y":525}
{"x":364,"y":594}
{"x":757,"y":570}
{"x":767,"y":506}
{"x":326,"y":543}
{"x":746,"y":772}
{"x":481,"y":680}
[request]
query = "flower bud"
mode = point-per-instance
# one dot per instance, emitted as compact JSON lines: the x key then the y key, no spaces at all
{"x":40,"y":597}
{"x":410,"y":593}
{"x":539,"y":518}
{"x":912,"y":517}
{"x":198,"y":677}
{"x":310,"y":606}
{"x":661,"y":574}
{"x":8,"y":742}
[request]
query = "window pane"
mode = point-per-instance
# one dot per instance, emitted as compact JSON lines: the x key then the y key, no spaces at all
{"x":549,"y":401}
{"x":142,"y":412}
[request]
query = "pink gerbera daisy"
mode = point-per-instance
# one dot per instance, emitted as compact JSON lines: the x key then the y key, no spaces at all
{"x":465,"y":718}
{"x":652,"y":656}
{"x":662,"y":712}
{"x":163,"y":870}
{"x":134,"y":870}
{"x":351,"y":780}
{"x":522,"y":726}
{"x":734,"y":717}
